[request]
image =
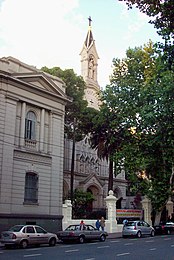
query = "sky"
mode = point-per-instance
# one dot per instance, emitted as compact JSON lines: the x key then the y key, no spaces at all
{"x":51,"y":33}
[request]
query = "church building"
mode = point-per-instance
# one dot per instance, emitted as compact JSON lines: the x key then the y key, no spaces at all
{"x":91,"y":173}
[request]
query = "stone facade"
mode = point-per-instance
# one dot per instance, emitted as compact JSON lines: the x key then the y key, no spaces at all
{"x":32,"y":106}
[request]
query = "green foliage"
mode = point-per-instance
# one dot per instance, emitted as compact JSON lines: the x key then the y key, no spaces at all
{"x":140,"y":98}
{"x":106,"y":135}
{"x":81,"y":203}
{"x":75,"y":87}
{"x":162,"y":13}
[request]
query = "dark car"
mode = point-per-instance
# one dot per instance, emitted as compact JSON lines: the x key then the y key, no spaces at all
{"x":24,"y":235}
{"x":81,"y":233}
{"x":137,"y":228}
{"x":164,"y":228}
{"x":159,"y":229}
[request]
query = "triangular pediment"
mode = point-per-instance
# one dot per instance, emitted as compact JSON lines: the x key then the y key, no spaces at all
{"x":92,"y":179}
{"x":34,"y":77}
{"x":91,"y":50}
{"x":41,"y":80}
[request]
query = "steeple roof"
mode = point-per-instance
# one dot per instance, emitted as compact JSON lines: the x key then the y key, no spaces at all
{"x":89,"y":38}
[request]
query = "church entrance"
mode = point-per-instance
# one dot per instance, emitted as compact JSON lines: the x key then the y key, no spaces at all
{"x":94,"y":208}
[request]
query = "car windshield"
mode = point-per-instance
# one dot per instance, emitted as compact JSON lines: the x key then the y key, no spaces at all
{"x":130,"y":224}
{"x":72,"y":228}
{"x":16,"y":228}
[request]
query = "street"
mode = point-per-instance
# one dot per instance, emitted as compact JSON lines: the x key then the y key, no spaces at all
{"x":158,"y":247}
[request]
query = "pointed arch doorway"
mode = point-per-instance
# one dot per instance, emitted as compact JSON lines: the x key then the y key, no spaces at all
{"x":97,"y":197}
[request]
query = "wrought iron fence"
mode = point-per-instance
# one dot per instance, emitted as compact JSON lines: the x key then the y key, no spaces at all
{"x":95,"y":213}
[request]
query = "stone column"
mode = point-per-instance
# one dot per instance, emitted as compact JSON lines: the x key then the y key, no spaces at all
{"x":50,"y":134}
{"x":22,"y":132}
{"x":42,"y":122}
{"x":146,"y":204}
{"x":111,"y":207}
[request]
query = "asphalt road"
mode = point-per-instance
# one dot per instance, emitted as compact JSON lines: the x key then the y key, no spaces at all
{"x":158,"y":247}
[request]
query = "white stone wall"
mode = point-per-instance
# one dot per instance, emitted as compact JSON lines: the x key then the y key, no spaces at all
{"x":2,"y":126}
{"x":57,"y":165}
{"x":24,"y":162}
{"x":7,"y":155}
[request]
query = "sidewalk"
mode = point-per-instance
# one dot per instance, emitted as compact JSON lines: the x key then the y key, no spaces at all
{"x":114,"y":235}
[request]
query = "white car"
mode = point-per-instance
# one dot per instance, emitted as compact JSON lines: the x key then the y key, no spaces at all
{"x":137,"y":228}
{"x":24,"y":235}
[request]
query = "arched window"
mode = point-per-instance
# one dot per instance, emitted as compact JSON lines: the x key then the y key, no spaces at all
{"x":30,"y":126}
{"x":31,"y":187}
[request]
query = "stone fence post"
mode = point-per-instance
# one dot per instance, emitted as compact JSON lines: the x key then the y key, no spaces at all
{"x":67,"y":211}
{"x":146,"y":204}
{"x":111,"y":207}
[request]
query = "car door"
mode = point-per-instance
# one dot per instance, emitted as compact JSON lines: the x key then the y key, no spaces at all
{"x":31,"y":234}
{"x":42,"y":235}
{"x":94,"y":233}
{"x":146,"y":228}
{"x":140,"y":227}
{"x":86,"y":231}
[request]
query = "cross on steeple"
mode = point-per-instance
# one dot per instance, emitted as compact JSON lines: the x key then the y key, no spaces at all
{"x":90,"y":20}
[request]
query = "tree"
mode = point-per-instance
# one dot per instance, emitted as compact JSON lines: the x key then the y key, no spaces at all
{"x":106,"y":134}
{"x":162,"y":14}
{"x":141,"y":95}
{"x":75,"y":87}
{"x":81,"y":202}
{"x":161,"y":11}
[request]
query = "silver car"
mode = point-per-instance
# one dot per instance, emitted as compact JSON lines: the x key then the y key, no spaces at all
{"x":24,"y":235}
{"x":137,"y":228}
{"x":81,"y":233}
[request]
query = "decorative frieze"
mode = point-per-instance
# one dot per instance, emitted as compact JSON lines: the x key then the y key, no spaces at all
{"x":28,"y":156}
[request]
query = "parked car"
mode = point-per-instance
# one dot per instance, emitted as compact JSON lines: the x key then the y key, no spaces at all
{"x":159,"y":229}
{"x":137,"y":228}
{"x":24,"y":235}
{"x":164,"y":228}
{"x":81,"y":233}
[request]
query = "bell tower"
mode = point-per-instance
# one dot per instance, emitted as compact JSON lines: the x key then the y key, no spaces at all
{"x":89,"y":66}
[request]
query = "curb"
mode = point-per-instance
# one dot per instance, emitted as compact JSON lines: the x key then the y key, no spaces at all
{"x":114,"y":235}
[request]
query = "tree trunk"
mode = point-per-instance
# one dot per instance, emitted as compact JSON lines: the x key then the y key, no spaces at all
{"x":110,"y":181}
{"x":72,"y":169}
{"x":157,"y":218}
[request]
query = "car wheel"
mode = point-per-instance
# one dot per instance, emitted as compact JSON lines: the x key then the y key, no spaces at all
{"x":139,"y":234}
{"x":152,"y":233}
{"x":81,"y":239}
{"x":52,"y":242}
{"x":102,"y":238}
{"x":8,"y":246}
{"x":24,"y":244}
{"x":65,"y":241}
